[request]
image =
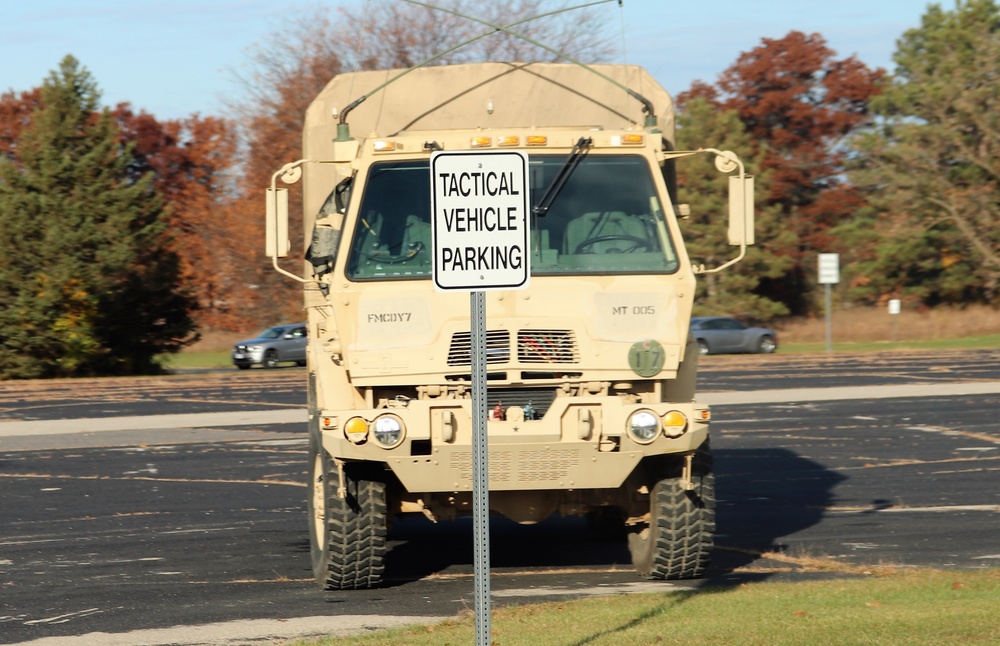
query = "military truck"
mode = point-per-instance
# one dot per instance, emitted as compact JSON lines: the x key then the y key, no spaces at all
{"x":590,"y":369}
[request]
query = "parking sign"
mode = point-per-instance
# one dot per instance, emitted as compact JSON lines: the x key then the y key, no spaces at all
{"x":479,"y":232}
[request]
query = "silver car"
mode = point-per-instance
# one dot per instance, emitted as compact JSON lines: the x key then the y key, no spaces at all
{"x":281,"y":343}
{"x":721,"y":334}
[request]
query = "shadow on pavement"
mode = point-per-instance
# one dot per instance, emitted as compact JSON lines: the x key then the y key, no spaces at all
{"x":763,"y":495}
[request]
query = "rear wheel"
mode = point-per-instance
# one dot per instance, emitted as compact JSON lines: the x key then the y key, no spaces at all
{"x":677,"y":543}
{"x":347,"y":535}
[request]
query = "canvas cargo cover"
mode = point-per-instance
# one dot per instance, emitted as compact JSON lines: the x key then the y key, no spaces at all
{"x":488,"y":96}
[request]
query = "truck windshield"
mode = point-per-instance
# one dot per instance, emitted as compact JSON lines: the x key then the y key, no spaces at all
{"x":607,"y":219}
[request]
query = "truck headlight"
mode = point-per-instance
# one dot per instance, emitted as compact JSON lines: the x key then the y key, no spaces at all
{"x":643,"y":426}
{"x":388,"y":431}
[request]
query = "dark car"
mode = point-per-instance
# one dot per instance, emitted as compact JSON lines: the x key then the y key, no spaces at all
{"x":281,"y":343}
{"x":721,"y":335}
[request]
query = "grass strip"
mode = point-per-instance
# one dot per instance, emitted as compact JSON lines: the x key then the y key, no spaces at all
{"x":911,"y":608}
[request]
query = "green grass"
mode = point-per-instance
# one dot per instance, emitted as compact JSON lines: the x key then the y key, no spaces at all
{"x":911,"y":608}
{"x":198,"y":360}
{"x":991,"y":341}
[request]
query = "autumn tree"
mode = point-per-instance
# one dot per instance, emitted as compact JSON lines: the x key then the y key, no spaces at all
{"x":285,"y":72}
{"x":15,"y":116}
{"x":403,"y":34}
{"x":931,"y":165}
{"x":193,"y":165}
{"x":733,"y":290}
{"x":87,"y":284}
{"x":798,"y":103}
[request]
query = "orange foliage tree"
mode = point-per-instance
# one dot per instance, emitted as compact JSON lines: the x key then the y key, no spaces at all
{"x":193,"y":162}
{"x":799,"y":103}
{"x":15,"y":116}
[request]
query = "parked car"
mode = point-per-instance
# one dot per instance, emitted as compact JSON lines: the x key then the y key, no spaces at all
{"x":722,"y":334}
{"x":281,"y":343}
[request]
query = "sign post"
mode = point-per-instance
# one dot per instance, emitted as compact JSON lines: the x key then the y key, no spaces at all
{"x":894,"y":309}
{"x":829,"y":274}
{"x":480,"y":239}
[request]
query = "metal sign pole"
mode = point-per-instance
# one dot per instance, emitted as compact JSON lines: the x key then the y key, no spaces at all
{"x":829,"y":320}
{"x":458,"y":241}
{"x":480,"y":471}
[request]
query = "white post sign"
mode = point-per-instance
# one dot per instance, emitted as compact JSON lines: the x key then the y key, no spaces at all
{"x":829,"y":274}
{"x":829,"y":268}
{"x":479,"y":228}
{"x":479,"y":236}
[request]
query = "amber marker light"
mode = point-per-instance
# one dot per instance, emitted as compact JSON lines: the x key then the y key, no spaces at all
{"x":356,"y":430}
{"x":632,"y":140}
{"x":537,"y":140}
{"x":383,"y":145}
{"x":674,"y":424}
{"x":509,"y":140}
{"x":481,"y":142}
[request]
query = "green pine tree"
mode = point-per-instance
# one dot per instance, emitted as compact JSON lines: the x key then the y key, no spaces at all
{"x":931,"y":166}
{"x":733,"y":290}
{"x":88,"y":284}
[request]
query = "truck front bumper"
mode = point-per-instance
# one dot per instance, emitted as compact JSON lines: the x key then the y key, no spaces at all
{"x":582,"y":442}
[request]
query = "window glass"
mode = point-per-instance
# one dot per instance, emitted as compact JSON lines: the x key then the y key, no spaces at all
{"x":606,"y":219}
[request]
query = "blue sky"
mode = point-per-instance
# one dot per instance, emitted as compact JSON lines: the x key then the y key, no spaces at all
{"x":174,"y":58}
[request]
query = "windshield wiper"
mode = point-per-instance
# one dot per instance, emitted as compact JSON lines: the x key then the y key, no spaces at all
{"x":576,"y":155}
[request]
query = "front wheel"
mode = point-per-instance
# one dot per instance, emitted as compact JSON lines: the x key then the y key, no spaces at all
{"x":767,"y":344}
{"x":347,"y":535}
{"x":677,"y":543}
{"x":702,"y":347}
{"x":271,"y":359}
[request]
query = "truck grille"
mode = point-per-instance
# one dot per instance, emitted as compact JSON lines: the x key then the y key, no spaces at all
{"x":497,"y":348}
{"x":533,"y":346}
{"x":547,"y":346}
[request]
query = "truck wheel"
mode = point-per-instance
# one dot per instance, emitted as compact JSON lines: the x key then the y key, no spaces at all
{"x":347,"y":535}
{"x":271,"y":359}
{"x":677,"y":544}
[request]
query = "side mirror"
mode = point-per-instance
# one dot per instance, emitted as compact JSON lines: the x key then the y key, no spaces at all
{"x":276,"y":241}
{"x":741,"y":218}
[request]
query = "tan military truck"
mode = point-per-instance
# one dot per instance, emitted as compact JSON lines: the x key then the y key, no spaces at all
{"x":590,"y":370}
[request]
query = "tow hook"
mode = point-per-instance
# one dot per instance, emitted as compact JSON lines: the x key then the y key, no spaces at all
{"x":341,"y":487}
{"x":686,"y":482}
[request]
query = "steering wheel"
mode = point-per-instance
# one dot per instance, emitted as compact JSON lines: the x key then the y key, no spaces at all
{"x":637,"y":242}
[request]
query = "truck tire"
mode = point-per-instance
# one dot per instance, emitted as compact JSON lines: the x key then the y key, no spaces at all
{"x":347,"y":535}
{"x":677,"y":544}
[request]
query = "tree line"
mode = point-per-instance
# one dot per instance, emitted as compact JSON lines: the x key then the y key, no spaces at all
{"x":125,"y":235}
